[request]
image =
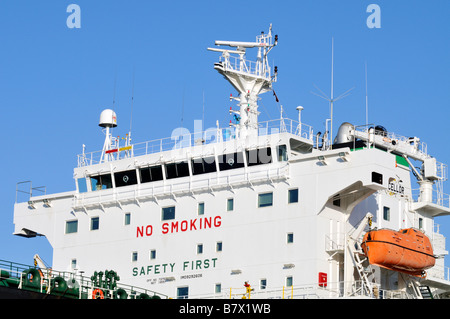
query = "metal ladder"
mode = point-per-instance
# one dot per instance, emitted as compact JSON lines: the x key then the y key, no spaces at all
{"x":358,"y":260}
{"x":426,"y":292}
{"x":356,"y":253}
{"x":419,"y":292}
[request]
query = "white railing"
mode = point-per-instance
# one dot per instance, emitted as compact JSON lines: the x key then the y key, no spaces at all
{"x":234,"y":63}
{"x":391,"y":140}
{"x":438,"y":198}
{"x":182,"y":185}
{"x":334,"y":242}
{"x":68,"y":284}
{"x":329,"y":290}
{"x":28,"y":190}
{"x":180,"y":139}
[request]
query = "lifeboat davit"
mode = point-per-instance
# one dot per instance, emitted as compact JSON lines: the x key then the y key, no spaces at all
{"x":407,"y":250}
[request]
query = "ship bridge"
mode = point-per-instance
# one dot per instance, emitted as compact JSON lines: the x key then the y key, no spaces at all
{"x":210,"y":159}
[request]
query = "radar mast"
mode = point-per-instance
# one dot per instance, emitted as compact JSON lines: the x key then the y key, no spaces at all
{"x":249,"y":78}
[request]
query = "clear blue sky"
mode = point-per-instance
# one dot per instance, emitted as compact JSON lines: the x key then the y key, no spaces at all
{"x":55,"y":81}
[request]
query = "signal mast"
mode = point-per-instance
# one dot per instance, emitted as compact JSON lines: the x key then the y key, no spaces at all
{"x":249,"y":78}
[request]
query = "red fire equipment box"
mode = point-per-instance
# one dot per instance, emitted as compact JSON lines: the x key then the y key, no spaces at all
{"x":322,"y":279}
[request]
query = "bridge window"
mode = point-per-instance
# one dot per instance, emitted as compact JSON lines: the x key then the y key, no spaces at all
{"x":259,"y":156}
{"x":101,"y":182}
{"x":82,"y":186}
{"x":177,"y":170}
{"x":231,"y":161}
{"x":125,"y":178}
{"x":282,"y":153}
{"x":203,"y":165}
{"x":151,"y":174}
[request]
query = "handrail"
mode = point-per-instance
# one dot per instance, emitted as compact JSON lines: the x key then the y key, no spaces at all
{"x":29,"y":191}
{"x":234,"y":63}
{"x":438,"y":198}
{"x":328,"y":290}
{"x":276,"y":171}
{"x":81,"y":287}
{"x":180,"y":139}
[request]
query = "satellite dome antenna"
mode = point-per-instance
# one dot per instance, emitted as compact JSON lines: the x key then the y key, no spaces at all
{"x":108,"y":120}
{"x":249,"y":78}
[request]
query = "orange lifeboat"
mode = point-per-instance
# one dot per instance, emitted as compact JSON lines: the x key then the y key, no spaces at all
{"x":407,"y":250}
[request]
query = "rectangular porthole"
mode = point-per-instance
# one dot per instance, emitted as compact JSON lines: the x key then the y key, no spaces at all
{"x":265,"y":200}
{"x":168,"y":213}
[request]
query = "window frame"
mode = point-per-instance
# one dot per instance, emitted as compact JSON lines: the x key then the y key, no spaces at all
{"x":105,"y":181}
{"x":201,"y":209}
{"x":290,"y":238}
{"x":230,"y":200}
{"x":163,"y":218}
{"x":203,"y":165}
{"x":263,"y":283}
{"x":177,"y":170}
{"x":127,"y":219}
{"x":289,"y":281}
{"x":130,"y":176}
{"x":95,"y":221}
{"x":386,"y":213}
{"x":150,"y":174}
{"x":218,"y":288}
{"x":290,"y":191}
{"x":261,"y":205}
{"x":69,"y":222}
{"x":183,"y":289}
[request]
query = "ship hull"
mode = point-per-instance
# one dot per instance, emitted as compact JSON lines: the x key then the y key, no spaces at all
{"x":408,"y":251}
{"x":15,"y":293}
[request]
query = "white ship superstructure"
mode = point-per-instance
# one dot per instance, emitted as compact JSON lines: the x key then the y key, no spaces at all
{"x":269,"y":203}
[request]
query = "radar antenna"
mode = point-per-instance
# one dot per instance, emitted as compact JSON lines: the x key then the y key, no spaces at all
{"x":331,"y":99}
{"x":249,"y":78}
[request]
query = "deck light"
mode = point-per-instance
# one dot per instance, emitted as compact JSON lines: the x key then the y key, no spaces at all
{"x":322,"y":160}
